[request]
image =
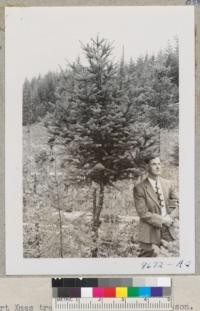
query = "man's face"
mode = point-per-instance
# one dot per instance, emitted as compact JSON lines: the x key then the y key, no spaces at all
{"x":154,"y":167}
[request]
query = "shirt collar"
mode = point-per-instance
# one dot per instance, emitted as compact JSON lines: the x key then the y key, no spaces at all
{"x":153,"y":181}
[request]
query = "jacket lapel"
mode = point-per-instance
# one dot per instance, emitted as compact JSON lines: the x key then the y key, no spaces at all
{"x":165,"y":191}
{"x":151,"y":192}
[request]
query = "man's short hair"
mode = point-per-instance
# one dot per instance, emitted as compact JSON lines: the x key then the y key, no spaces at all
{"x":148,"y":159}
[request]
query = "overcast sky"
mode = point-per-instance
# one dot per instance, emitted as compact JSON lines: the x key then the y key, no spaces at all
{"x":43,"y":38}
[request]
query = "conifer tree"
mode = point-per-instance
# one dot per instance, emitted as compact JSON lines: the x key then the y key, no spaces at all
{"x":27,"y":116}
{"x":95,"y":116}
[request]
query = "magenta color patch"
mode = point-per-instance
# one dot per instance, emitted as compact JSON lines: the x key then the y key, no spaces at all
{"x":98,"y":292}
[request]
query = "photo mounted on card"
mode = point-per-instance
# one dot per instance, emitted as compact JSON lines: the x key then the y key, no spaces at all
{"x":100,"y":140}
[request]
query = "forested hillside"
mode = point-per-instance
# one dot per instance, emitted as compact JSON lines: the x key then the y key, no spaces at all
{"x":87,"y":133}
{"x":152,"y":83}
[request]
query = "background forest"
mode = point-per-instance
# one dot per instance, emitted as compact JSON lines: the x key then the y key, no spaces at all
{"x":87,"y":131}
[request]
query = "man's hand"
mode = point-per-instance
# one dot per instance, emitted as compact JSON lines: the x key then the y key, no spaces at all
{"x":167,"y":221}
{"x":156,"y":250}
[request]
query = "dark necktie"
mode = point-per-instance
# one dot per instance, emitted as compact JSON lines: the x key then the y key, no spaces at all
{"x":159,"y":195}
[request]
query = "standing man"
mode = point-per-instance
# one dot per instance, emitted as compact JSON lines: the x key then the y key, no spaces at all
{"x":152,"y":201}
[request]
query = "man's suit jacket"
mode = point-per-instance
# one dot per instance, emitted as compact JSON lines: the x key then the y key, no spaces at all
{"x":149,"y":210}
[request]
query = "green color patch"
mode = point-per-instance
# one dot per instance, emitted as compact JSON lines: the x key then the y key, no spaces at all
{"x":133,"y":292}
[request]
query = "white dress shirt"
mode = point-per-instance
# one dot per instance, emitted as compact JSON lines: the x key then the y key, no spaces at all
{"x":153,"y":184}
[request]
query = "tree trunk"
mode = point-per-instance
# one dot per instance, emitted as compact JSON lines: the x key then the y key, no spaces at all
{"x":97,"y":208}
{"x":61,"y":233}
{"x":37,"y":239}
{"x":60,"y":221}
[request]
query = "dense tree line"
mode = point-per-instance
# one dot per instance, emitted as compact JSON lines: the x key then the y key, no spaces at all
{"x":39,"y":97}
{"x":150,"y":82}
{"x":192,"y":1}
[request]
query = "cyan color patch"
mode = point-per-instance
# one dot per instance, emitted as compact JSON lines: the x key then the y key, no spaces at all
{"x":145,"y":291}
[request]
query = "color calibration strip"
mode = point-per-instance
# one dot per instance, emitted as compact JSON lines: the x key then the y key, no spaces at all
{"x":117,"y":292}
{"x":112,"y":282}
{"x":111,"y":288}
{"x":106,"y":294}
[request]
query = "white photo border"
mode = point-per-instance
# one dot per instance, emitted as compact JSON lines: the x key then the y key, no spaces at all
{"x":185,"y":264}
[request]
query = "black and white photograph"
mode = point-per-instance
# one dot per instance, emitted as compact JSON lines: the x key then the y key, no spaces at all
{"x":101,"y":128}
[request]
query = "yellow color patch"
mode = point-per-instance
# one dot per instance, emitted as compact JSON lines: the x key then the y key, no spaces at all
{"x":121,"y":292}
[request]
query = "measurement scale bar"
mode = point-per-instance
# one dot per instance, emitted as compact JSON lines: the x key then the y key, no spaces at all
{"x":109,"y":304}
